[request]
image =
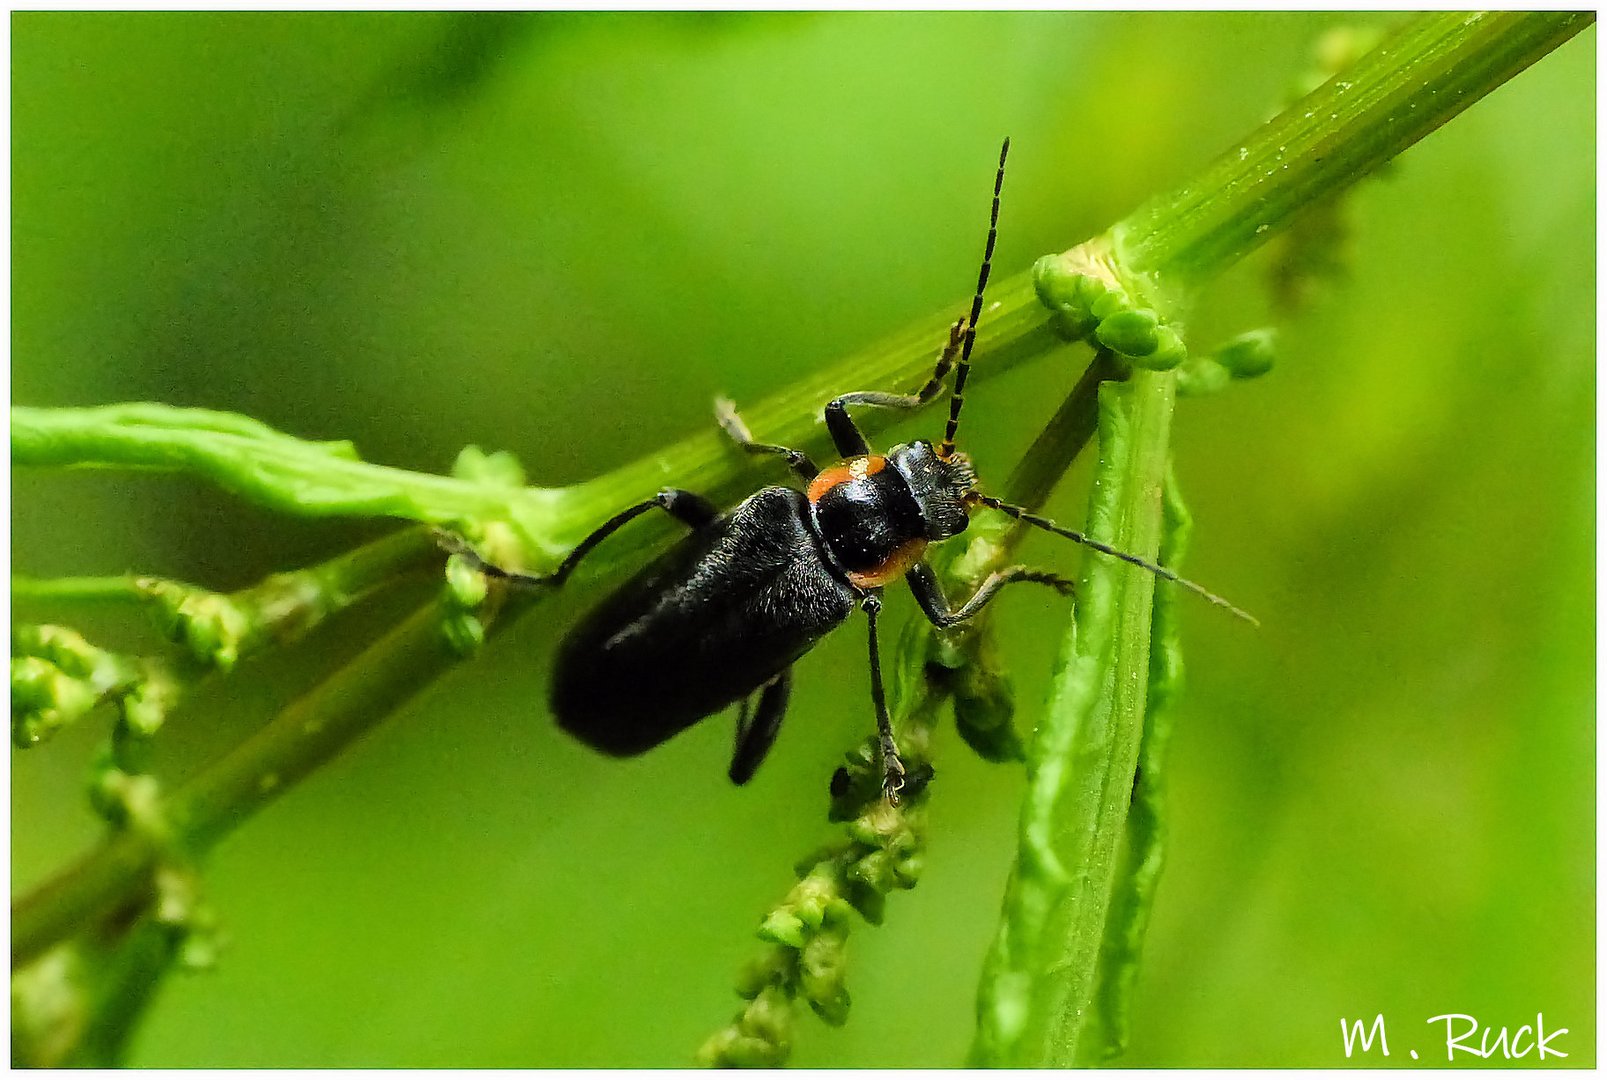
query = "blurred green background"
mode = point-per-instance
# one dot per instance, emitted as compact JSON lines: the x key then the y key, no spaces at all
{"x":562,"y":235}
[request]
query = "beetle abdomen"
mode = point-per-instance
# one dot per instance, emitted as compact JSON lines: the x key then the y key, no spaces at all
{"x":704,"y":626}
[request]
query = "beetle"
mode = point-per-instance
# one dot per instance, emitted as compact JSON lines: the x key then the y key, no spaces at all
{"x":721,"y":617}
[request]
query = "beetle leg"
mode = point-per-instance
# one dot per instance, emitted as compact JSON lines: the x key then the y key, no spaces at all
{"x":892,"y":764}
{"x":692,"y":510}
{"x":725,"y":413}
{"x":929,"y":594}
{"x":756,"y":736}
{"x":845,"y":433}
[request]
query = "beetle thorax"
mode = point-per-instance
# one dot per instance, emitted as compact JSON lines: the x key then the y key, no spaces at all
{"x":868,"y":520}
{"x":875,"y":514}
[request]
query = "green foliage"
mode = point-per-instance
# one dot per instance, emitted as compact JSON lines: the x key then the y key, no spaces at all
{"x":415,"y":238}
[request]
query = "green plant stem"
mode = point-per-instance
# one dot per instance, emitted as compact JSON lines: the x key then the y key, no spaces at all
{"x":1090,"y":832}
{"x":215,"y":629}
{"x":116,"y":877}
{"x":255,"y":462}
{"x":285,"y":606}
{"x":1144,"y":851}
{"x":1043,"y":959}
{"x":124,"y":981}
{"x":1039,"y":982}
{"x":122,"y":588}
{"x":312,"y":730}
{"x":320,"y":479}
{"x":1418,"y":78}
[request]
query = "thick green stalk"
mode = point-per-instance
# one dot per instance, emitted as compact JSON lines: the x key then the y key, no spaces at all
{"x":1038,"y":987}
{"x":1144,"y":850}
{"x":1095,"y":825}
{"x":1044,"y":960}
{"x":1427,"y":72}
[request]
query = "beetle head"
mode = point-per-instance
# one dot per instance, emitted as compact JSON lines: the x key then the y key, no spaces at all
{"x":940,"y":485}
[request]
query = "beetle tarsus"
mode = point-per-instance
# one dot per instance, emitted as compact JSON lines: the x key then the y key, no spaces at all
{"x":453,"y":544}
{"x":725,"y":414}
{"x":893,"y":771}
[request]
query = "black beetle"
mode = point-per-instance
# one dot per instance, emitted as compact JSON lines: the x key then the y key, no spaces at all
{"x":722,"y":616}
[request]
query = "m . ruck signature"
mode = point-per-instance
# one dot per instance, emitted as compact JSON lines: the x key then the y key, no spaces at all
{"x":1463,"y":1034}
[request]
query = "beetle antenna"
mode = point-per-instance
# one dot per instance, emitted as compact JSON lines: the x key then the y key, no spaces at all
{"x":957,"y":398}
{"x":1021,"y":514}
